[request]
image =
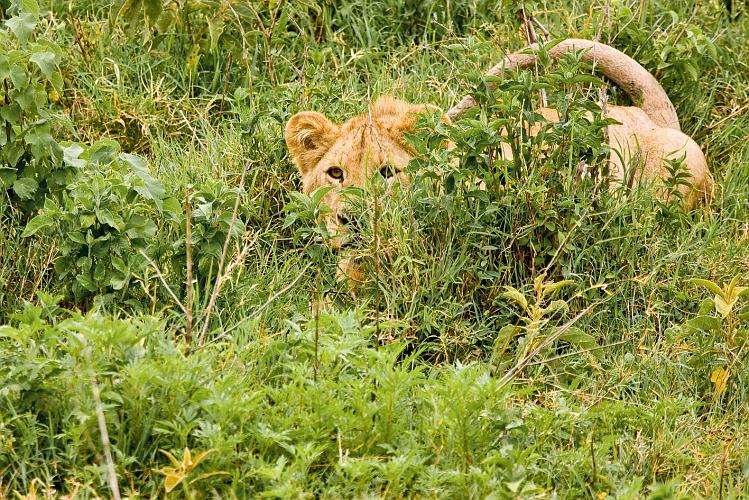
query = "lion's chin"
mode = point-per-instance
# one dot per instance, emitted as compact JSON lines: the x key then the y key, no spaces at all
{"x":351,"y":272}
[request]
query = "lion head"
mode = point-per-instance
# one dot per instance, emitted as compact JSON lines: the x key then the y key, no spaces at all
{"x":348,"y":155}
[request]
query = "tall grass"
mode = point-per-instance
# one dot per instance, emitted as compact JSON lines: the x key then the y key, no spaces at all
{"x":300,"y":388}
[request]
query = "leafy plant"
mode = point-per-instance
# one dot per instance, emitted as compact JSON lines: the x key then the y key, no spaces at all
{"x":532,"y":329}
{"x":31,"y":163}
{"x":103,"y":219}
{"x":183,"y":469}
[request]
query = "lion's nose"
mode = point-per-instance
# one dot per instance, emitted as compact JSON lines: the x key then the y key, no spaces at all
{"x":345,"y":219}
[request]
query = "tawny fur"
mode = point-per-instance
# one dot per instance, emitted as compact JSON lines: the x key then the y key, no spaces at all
{"x":645,"y":138}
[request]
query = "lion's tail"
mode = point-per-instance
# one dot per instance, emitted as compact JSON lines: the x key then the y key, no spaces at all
{"x":640,"y":86}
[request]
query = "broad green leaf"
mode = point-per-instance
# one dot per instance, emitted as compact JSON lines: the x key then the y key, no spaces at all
{"x":216,"y":28}
{"x":152,"y":10}
{"x":22,"y":26}
{"x":724,"y":308}
{"x":140,"y":227}
{"x":578,"y":338}
{"x":11,"y":113}
{"x":25,"y":187}
{"x":85,"y":281}
{"x":19,"y":77}
{"x":46,"y":62}
{"x":37,"y":224}
{"x":105,"y":216}
{"x":552,"y":288}
{"x":70,"y":155}
{"x":8,"y":176}
{"x":706,"y":323}
{"x":29,"y":6}
{"x":86,"y":220}
{"x":318,"y":194}
{"x":152,"y":188}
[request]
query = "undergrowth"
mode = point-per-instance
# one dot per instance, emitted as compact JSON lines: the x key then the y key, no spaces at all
{"x":171,"y":318}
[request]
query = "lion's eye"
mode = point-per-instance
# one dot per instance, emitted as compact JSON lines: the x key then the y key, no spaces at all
{"x":336,"y":173}
{"x":388,"y":171}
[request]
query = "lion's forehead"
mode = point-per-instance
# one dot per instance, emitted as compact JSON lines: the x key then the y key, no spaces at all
{"x":362,"y":147}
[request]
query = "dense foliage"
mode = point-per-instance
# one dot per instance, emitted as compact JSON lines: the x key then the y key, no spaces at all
{"x":170,"y":317}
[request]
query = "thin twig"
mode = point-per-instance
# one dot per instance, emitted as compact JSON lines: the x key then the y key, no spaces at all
{"x":531,"y":37}
{"x":163,"y":281}
{"x":262,"y":308}
{"x":219,"y":276}
{"x":188,"y":264}
{"x":525,"y":360}
{"x":111,"y":473}
{"x":576,"y":353}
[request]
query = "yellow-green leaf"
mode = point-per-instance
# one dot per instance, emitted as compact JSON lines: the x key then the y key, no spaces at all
{"x":515,"y":295}
{"x":709,"y":285}
{"x":719,"y":377}
{"x":172,"y":480}
{"x":723,"y":307}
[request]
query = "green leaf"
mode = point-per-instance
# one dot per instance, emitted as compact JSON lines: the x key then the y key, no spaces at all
{"x":36,"y":224}
{"x":46,"y":62}
{"x":11,"y":113}
{"x":86,"y":282}
{"x":552,"y":288}
{"x":706,"y":323}
{"x":140,"y":227}
{"x":19,"y":77}
{"x":25,"y":187}
{"x":152,"y":10}
{"x":578,"y":338}
{"x":22,"y":26}
{"x":7,"y":176}
{"x":709,"y":285}
{"x":152,"y":189}
{"x":724,"y":308}
{"x":70,"y":155}
{"x":216,"y":28}
{"x":515,"y":295}
{"x":29,"y":6}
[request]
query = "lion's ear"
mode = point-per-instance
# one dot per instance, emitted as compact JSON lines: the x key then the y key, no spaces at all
{"x":309,"y":135}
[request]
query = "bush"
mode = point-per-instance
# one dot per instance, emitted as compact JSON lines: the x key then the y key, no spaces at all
{"x":31,"y":158}
{"x":104,"y":219}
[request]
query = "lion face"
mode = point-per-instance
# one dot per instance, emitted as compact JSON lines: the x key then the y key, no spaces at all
{"x":348,"y":155}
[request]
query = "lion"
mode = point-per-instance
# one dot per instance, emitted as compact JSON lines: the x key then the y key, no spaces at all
{"x":646,"y":136}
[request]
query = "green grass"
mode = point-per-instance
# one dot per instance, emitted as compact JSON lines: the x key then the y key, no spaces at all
{"x":402,"y":390}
